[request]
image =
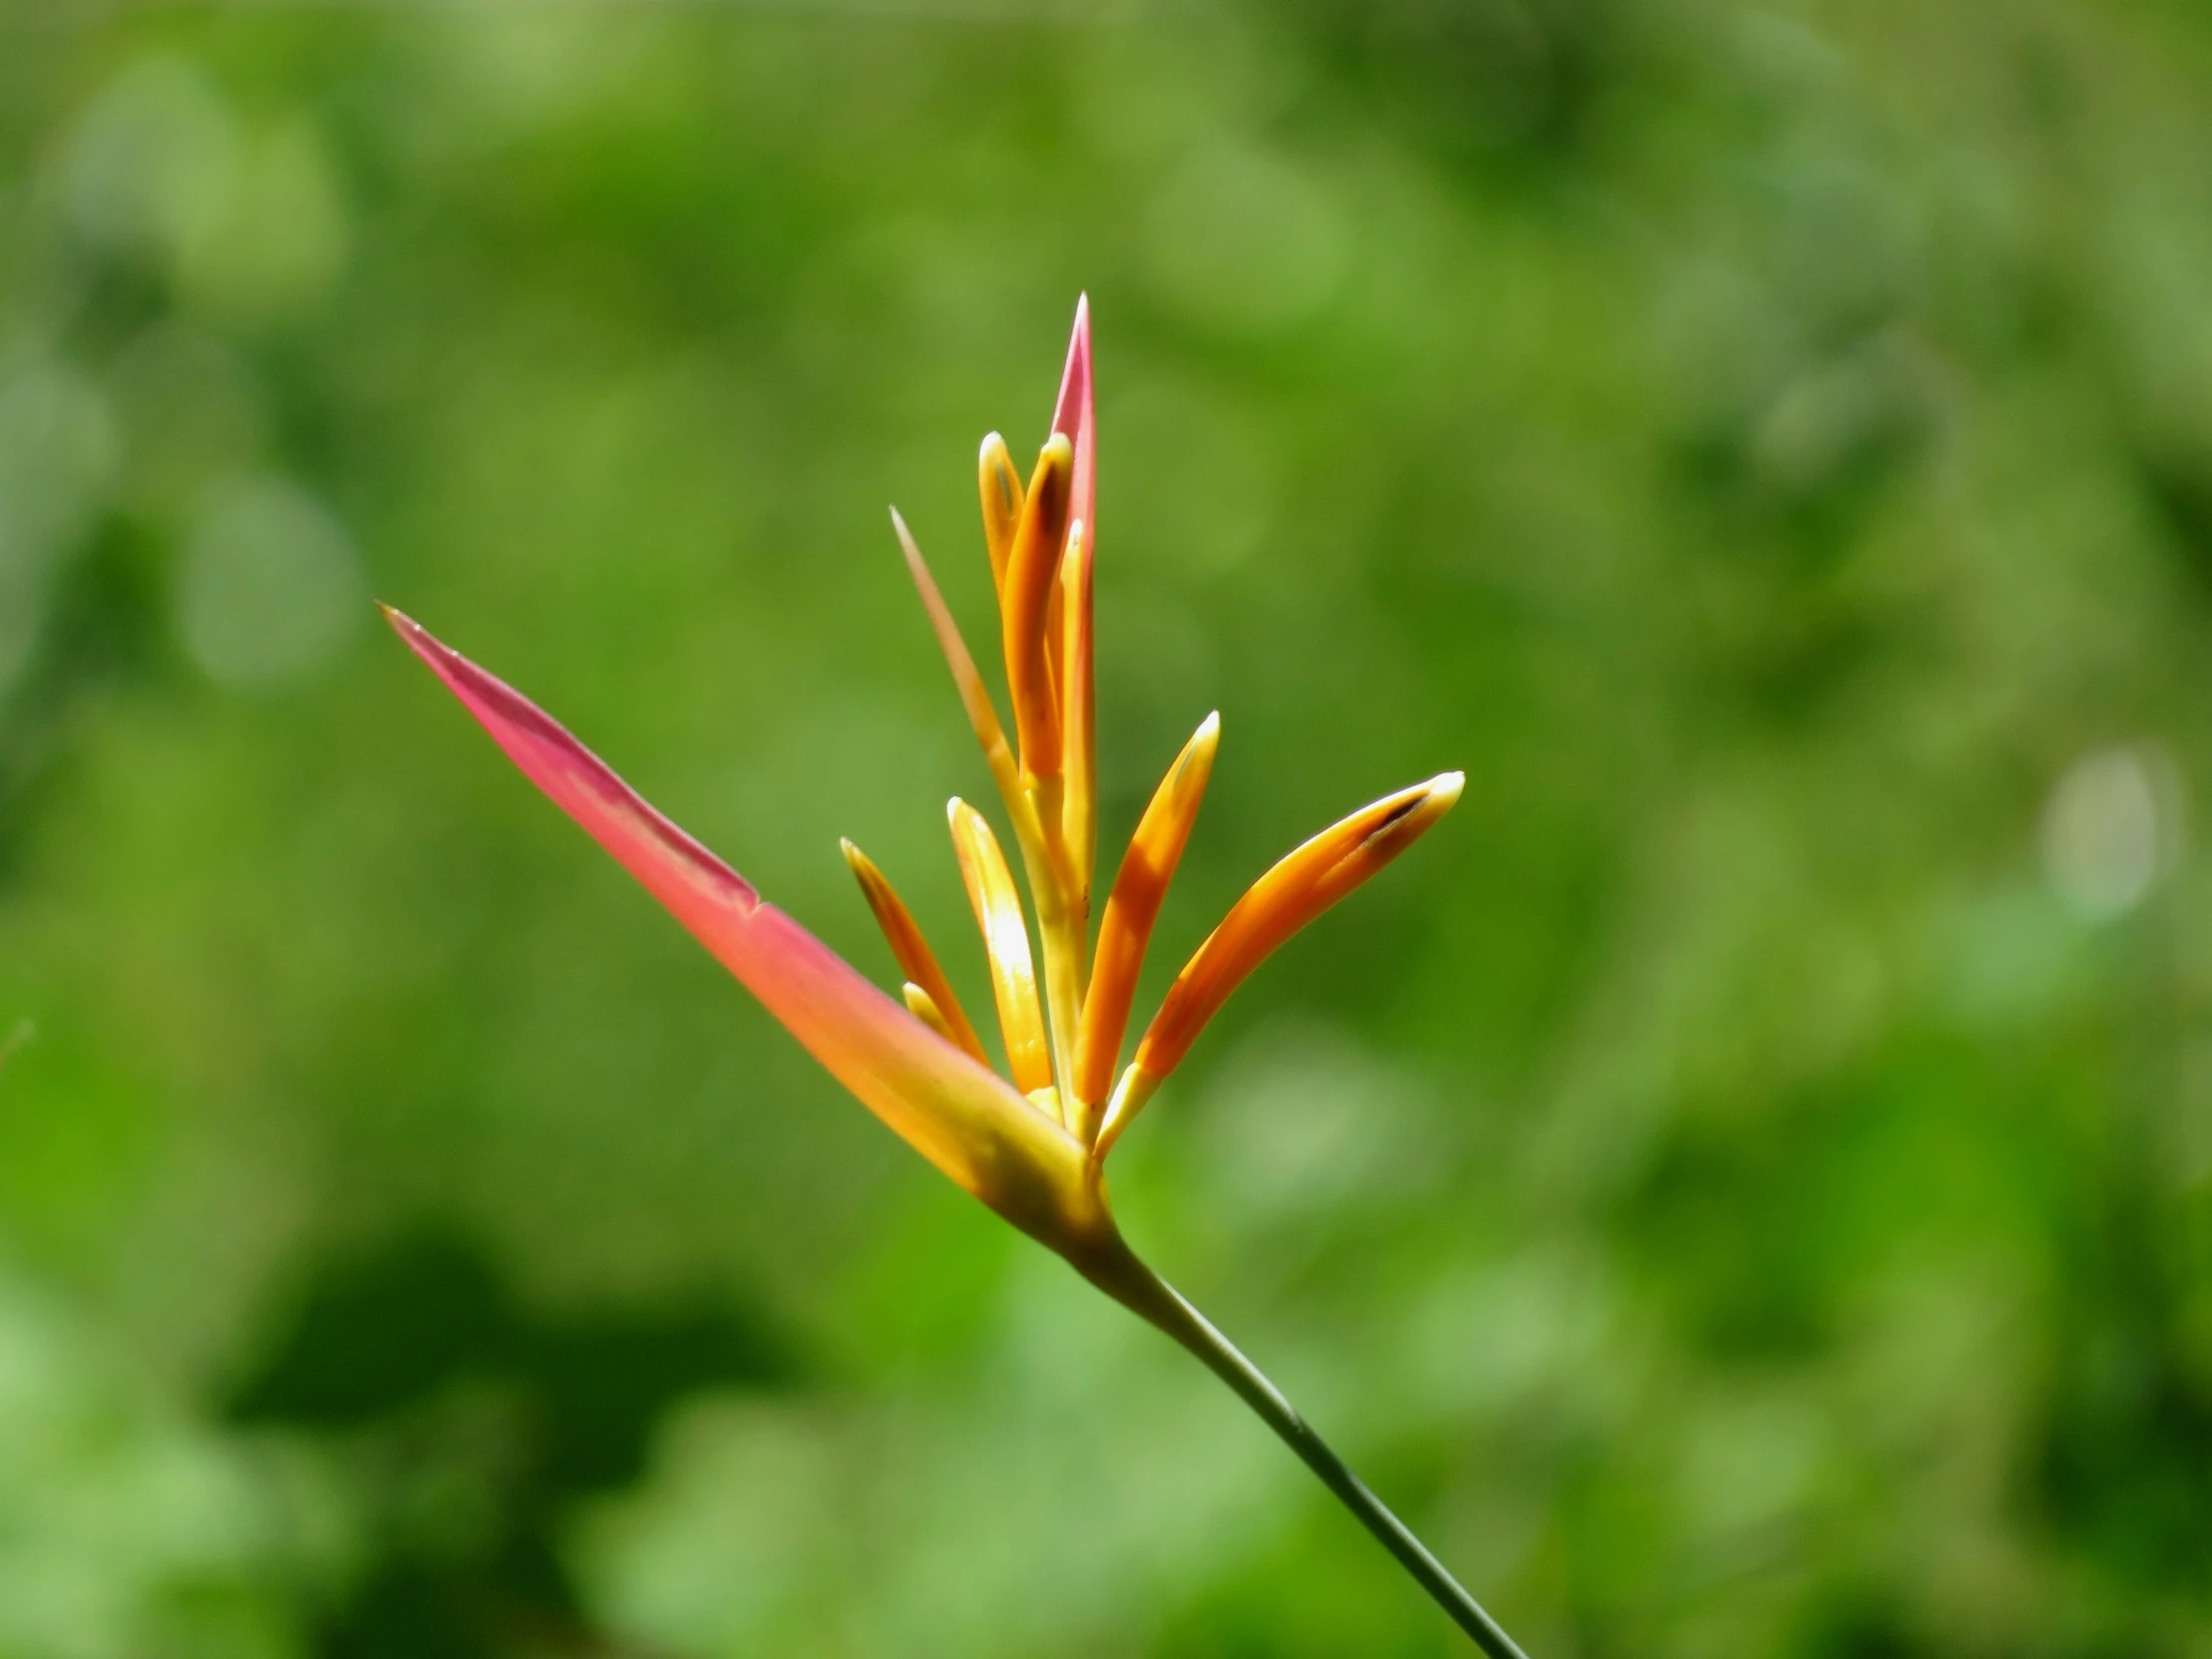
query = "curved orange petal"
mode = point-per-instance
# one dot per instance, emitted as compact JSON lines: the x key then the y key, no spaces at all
{"x":1134,"y":904}
{"x":911,"y":951}
{"x":1032,"y":572}
{"x":962,"y":1118}
{"x":999,"y":485}
{"x":1303,"y":883}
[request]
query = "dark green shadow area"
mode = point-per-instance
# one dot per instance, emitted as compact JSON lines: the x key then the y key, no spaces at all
{"x":477,"y":1426}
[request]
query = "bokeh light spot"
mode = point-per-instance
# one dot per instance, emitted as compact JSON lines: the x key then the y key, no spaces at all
{"x":2110,"y":826}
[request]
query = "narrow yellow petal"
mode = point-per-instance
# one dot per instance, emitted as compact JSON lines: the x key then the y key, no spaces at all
{"x":1133,"y":906}
{"x":916,"y":960}
{"x":1032,"y":570}
{"x":998,"y":906}
{"x":975,"y":697}
{"x":1300,"y":887}
{"x":1078,"y":714}
{"x":1000,"y":486}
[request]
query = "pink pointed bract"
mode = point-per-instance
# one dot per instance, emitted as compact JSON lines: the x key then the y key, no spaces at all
{"x":1072,"y":414}
{"x":963,"y":1118}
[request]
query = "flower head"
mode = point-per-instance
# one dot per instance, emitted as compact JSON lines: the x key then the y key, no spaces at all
{"x":1034,"y":1147}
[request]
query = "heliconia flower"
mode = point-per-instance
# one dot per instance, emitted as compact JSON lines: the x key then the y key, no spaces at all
{"x":1033,"y":1149}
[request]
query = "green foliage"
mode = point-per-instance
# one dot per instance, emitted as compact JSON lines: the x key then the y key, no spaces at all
{"x":1743,"y":1186}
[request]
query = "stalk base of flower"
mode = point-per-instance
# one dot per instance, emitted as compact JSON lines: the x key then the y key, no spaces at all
{"x":1137,"y":1287}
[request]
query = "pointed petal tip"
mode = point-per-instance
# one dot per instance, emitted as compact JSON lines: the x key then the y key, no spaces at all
{"x":1437,"y":797}
{"x":918,"y":569}
{"x":916,"y":566}
{"x":1198,"y":752}
{"x":444,"y":659}
{"x":1406,"y":816}
{"x":924,"y":1007}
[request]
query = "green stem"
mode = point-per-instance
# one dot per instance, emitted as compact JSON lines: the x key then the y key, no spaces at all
{"x":1159,"y":1303}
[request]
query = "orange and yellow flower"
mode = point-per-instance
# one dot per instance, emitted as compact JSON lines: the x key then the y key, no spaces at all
{"x":1033,"y":1144}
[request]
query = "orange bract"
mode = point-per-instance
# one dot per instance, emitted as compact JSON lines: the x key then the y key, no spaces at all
{"x":1301,"y":885}
{"x":916,"y":960}
{"x":1000,"y":488}
{"x":1139,"y":889}
{"x":1305,"y":882}
{"x":1032,"y":568}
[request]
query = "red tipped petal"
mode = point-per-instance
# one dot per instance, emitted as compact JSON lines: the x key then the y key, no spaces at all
{"x":1072,"y":414}
{"x":1073,"y":417}
{"x":959,"y":1116}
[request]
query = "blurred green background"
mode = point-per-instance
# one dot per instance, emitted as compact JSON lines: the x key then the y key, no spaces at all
{"x":1742,"y":1187}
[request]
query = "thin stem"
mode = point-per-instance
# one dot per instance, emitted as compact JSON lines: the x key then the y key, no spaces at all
{"x":1164,"y":1306}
